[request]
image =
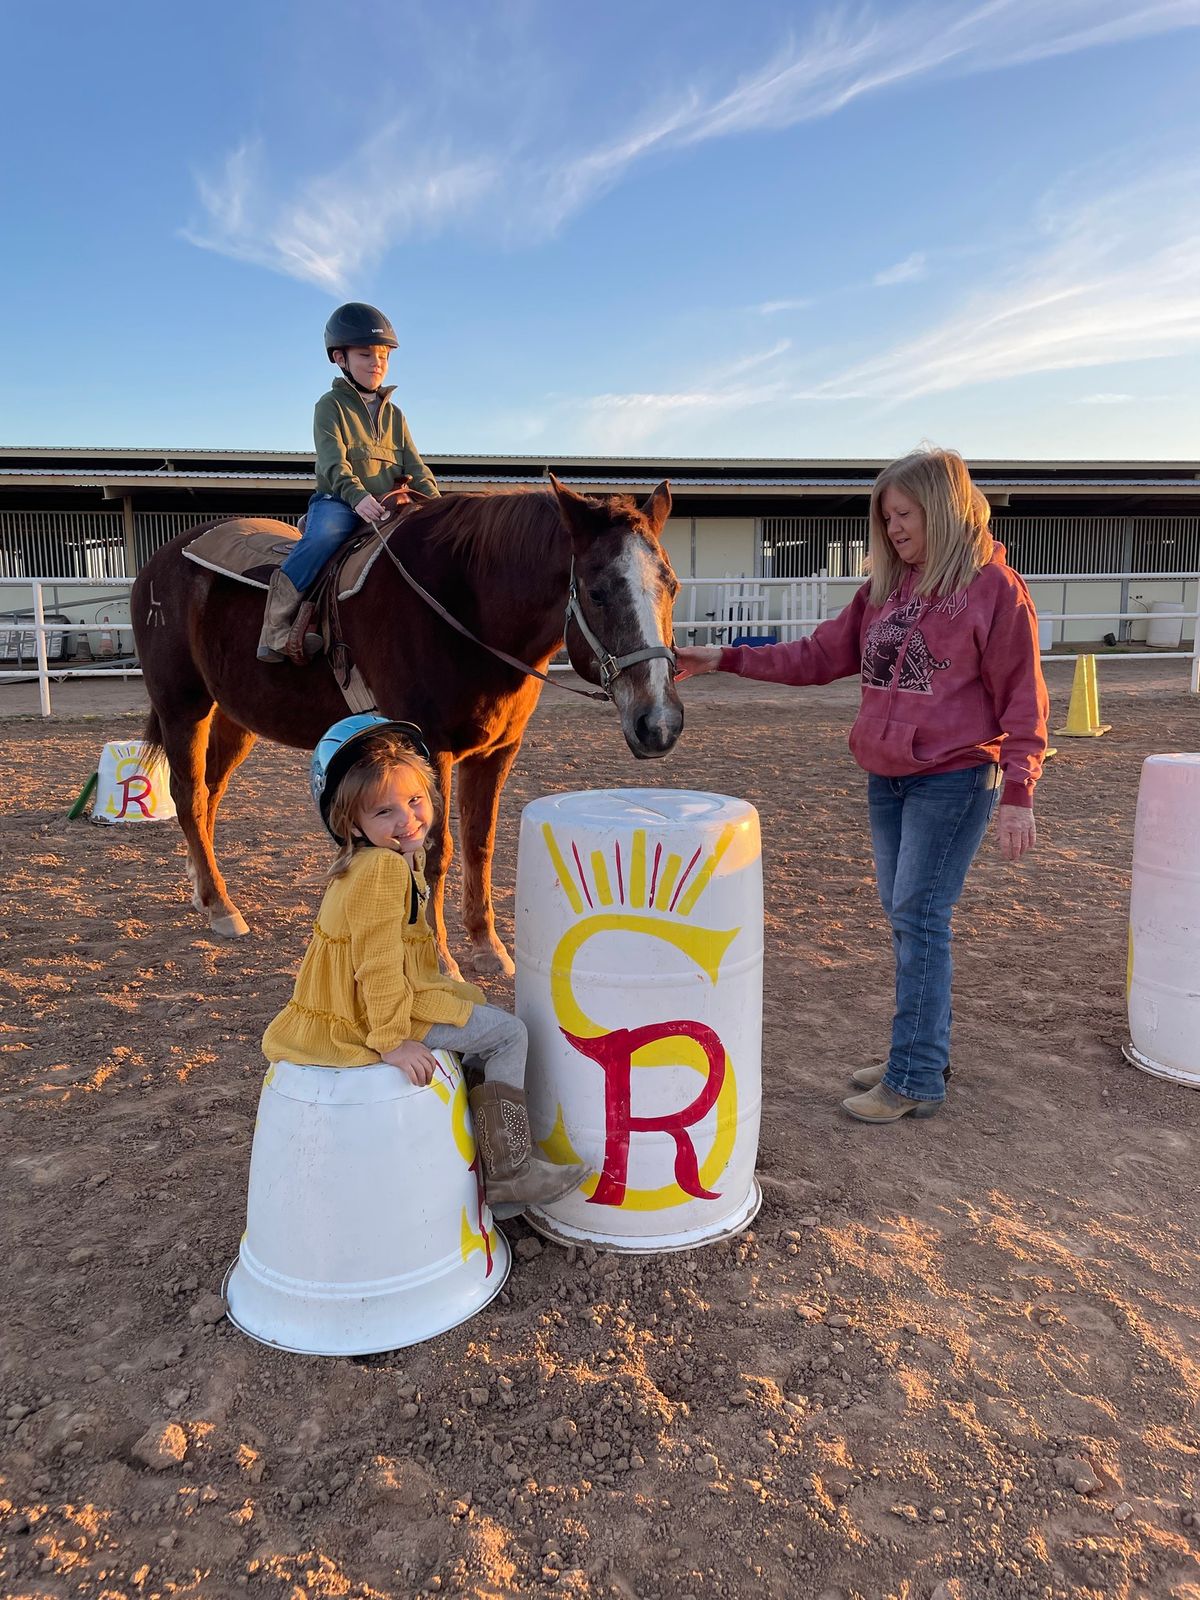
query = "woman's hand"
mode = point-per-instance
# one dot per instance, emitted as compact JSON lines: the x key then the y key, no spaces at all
{"x":369,"y":509}
{"x":692,"y":661}
{"x":415,"y":1060}
{"x":1015,"y":831}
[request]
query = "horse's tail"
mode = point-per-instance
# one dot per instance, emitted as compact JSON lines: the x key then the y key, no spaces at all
{"x":152,"y":736}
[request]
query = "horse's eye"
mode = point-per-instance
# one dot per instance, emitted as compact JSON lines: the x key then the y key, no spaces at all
{"x":598,"y":597}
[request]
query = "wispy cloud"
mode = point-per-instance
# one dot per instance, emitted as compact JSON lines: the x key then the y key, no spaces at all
{"x":1114,"y":282}
{"x":772,"y":308}
{"x":1105,"y":399}
{"x":906,"y":271}
{"x":327,"y":228}
{"x":637,"y":421}
{"x":335,"y":225}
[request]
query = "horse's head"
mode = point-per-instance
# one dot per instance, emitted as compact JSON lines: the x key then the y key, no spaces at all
{"x":619,"y":629}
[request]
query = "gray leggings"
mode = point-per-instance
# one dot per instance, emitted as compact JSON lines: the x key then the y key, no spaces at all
{"x":494,"y":1039}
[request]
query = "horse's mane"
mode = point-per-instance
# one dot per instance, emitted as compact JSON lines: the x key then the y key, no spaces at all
{"x":506,"y":528}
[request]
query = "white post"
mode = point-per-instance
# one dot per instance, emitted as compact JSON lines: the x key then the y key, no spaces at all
{"x":1195,"y":685}
{"x":39,"y":645}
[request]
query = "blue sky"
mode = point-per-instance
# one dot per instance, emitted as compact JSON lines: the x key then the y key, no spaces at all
{"x":672,"y":227}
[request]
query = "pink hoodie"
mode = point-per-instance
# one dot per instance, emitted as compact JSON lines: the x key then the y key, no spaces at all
{"x":946,"y":682}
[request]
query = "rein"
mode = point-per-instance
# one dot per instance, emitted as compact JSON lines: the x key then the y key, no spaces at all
{"x":610,"y":666}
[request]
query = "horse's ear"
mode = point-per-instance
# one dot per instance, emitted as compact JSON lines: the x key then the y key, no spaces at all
{"x":578,"y":512}
{"x":658,"y":508}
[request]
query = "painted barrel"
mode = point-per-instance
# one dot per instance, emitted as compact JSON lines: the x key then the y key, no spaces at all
{"x":1164,"y":921}
{"x":131,"y":786}
{"x":366,"y":1227}
{"x":639,"y":949}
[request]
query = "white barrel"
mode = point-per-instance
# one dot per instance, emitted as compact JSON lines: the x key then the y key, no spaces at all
{"x":130,"y":787}
{"x":1045,"y":636}
{"x":639,"y":948}
{"x":366,"y":1227}
{"x":1164,"y":631}
{"x":1164,"y":921}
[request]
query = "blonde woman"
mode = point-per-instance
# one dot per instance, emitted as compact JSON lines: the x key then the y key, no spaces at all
{"x":951,"y":728}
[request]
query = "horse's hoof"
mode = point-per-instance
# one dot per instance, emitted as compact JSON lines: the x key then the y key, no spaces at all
{"x":230,"y":927}
{"x":487,"y":962}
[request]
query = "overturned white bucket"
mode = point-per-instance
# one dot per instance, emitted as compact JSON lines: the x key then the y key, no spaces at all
{"x":1164,"y":921}
{"x":639,"y":976}
{"x":366,"y":1227}
{"x":131,"y":787}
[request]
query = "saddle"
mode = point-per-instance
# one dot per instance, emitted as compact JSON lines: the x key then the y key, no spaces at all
{"x":249,"y":549}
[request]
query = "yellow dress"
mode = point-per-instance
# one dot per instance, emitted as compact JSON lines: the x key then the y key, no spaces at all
{"x":370,"y":978}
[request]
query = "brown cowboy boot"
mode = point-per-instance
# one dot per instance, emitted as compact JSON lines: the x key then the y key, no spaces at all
{"x":513,"y":1176}
{"x":283,"y":602}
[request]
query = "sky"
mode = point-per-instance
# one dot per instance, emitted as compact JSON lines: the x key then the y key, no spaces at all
{"x":662,"y":228}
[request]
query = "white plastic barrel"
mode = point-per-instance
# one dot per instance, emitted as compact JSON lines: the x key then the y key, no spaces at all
{"x":366,"y":1227}
{"x":131,"y":788}
{"x":639,"y":949}
{"x":1045,"y":636}
{"x":1164,"y":921}
{"x":1164,"y":631}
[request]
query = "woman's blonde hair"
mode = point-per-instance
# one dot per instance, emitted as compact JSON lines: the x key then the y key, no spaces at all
{"x":381,"y":754}
{"x":958,"y":544}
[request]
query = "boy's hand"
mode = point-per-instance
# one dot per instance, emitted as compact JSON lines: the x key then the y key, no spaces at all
{"x":691,"y":661}
{"x":415,"y":1060}
{"x":369,"y":509}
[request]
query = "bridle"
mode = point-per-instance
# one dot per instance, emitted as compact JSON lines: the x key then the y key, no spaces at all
{"x":608,"y":666}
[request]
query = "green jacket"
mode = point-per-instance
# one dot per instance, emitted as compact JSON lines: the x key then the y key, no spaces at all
{"x":356,"y":456}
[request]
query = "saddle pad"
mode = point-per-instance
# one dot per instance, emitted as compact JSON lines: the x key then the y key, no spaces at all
{"x":246,"y":548}
{"x":361,"y":557}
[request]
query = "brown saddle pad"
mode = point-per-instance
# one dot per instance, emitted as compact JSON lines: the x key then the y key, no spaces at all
{"x":250,"y":548}
{"x":246,"y":548}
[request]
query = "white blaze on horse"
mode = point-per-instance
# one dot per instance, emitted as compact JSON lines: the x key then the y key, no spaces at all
{"x":517,"y":570}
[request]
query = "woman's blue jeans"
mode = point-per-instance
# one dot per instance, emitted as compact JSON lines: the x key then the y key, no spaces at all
{"x":925,"y":831}
{"x":328,"y":523}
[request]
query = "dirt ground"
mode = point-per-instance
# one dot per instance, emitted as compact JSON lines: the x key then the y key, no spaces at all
{"x":953,"y":1358}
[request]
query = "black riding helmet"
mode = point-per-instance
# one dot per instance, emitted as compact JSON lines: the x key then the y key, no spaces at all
{"x":356,"y":323}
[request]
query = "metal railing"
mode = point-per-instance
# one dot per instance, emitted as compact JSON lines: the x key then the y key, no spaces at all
{"x":784,"y":608}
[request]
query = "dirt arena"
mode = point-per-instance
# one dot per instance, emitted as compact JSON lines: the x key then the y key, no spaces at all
{"x":956,"y":1358}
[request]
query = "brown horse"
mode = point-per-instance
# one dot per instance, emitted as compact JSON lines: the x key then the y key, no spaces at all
{"x":502,"y":565}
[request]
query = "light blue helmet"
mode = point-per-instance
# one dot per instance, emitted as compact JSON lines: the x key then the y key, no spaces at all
{"x":339,"y":748}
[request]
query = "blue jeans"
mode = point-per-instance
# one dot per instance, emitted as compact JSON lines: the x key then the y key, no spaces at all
{"x":328,"y":523}
{"x":925,"y":831}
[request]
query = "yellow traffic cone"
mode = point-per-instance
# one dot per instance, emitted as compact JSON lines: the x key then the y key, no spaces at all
{"x":1083,"y":715}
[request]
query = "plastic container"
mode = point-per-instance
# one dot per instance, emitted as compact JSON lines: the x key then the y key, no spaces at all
{"x":366,"y":1227}
{"x":1045,"y":636}
{"x":1164,"y":921}
{"x":129,"y":788}
{"x":639,"y":975}
{"x":1164,"y":630}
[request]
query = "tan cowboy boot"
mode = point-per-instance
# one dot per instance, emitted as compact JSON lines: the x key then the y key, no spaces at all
{"x":868,"y":1077}
{"x":513,"y":1176}
{"x":882,"y":1104}
{"x":283,"y":602}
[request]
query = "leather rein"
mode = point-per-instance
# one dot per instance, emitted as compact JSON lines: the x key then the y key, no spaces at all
{"x":609,"y":666}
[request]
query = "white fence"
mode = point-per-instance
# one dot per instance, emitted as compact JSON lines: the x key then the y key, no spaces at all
{"x":708,"y":610}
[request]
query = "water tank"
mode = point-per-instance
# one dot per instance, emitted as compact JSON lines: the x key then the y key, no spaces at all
{"x":1164,"y":921}
{"x":639,"y":949}
{"x":1164,"y":631}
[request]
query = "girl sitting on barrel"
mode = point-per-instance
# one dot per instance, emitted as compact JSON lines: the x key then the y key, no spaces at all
{"x":370,"y":988}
